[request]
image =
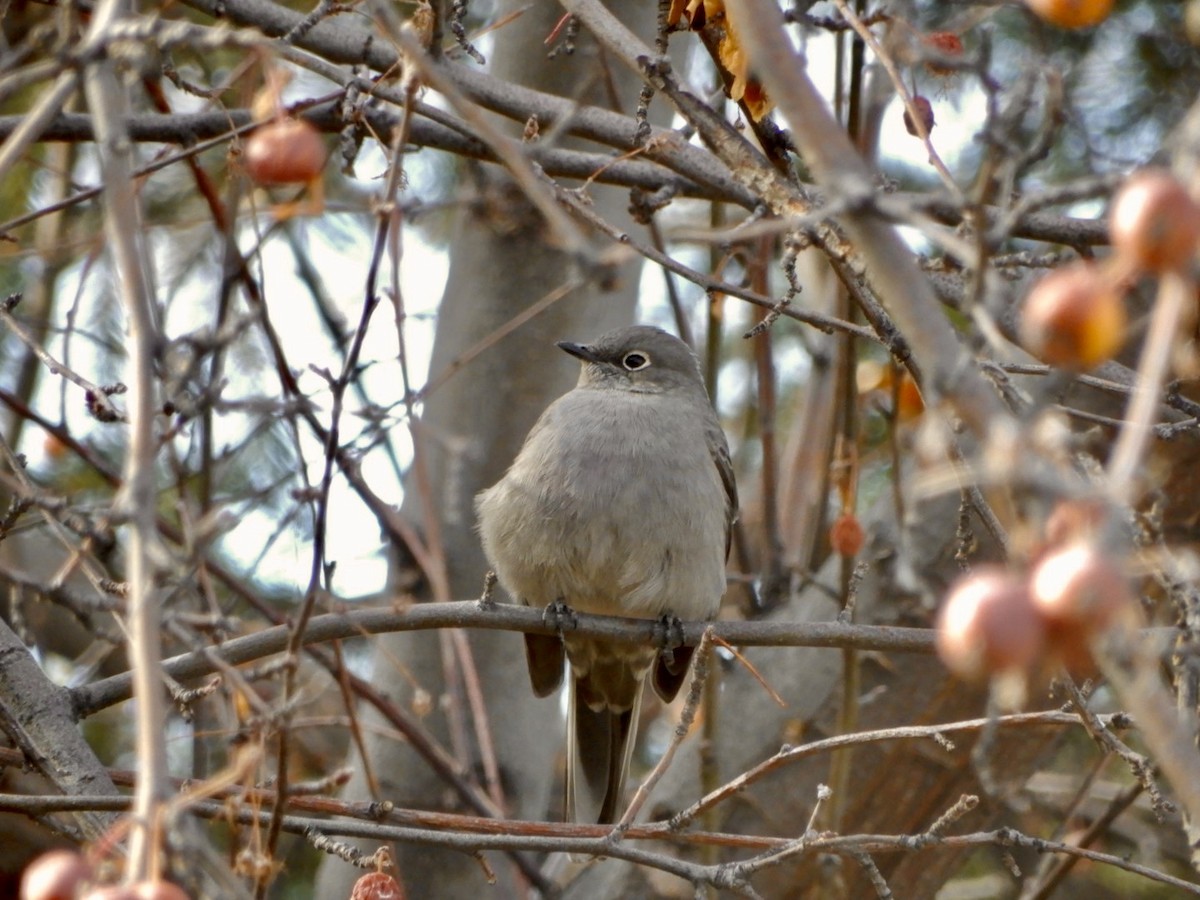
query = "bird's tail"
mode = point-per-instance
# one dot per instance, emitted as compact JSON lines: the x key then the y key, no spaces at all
{"x":599,"y":747}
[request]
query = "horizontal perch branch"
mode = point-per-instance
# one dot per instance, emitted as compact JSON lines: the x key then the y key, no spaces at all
{"x":505,"y":617}
{"x":510,"y":617}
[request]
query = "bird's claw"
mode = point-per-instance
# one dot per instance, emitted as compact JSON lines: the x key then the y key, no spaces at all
{"x":668,"y":634}
{"x":560,"y":617}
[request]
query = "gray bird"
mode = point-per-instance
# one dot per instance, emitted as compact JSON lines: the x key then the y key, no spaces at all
{"x":619,"y":503}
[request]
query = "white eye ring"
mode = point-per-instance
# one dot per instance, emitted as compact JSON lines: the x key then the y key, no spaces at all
{"x":635,"y":360}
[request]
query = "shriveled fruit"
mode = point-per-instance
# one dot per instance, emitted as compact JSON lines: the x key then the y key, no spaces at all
{"x":924,"y":111}
{"x":987,"y":625}
{"x":1073,"y":317}
{"x":846,"y":535}
{"x":55,"y":875}
{"x":1071,"y":13}
{"x":377,"y":886}
{"x":1154,"y":223}
{"x":286,"y":151}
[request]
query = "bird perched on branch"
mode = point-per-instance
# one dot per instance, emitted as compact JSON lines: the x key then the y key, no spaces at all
{"x":619,"y":503}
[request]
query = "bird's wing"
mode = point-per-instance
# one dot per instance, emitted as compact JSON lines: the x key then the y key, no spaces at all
{"x":719,"y":450}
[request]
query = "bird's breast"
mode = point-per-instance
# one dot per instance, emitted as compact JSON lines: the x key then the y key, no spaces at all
{"x":614,"y":506}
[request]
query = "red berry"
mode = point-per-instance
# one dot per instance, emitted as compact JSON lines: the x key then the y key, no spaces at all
{"x":55,"y":875}
{"x":1080,"y":585}
{"x":846,"y":535}
{"x":286,"y":151}
{"x":988,"y":625}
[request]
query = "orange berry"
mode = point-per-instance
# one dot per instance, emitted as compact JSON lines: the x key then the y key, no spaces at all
{"x":1154,"y":223}
{"x":1073,"y":317}
{"x":909,"y":403}
{"x":1071,"y":13}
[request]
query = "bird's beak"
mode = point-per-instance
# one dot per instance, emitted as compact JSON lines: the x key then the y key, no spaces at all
{"x":579,"y":351}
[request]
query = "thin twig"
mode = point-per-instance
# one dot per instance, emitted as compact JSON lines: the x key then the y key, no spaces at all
{"x":914,"y":115}
{"x":122,"y":219}
{"x":696,"y":681}
{"x":1175,"y":292}
{"x":97,"y":396}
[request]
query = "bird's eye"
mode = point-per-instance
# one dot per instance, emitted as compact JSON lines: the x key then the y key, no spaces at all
{"x":635,"y":360}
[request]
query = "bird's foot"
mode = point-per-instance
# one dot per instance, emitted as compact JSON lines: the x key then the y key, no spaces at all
{"x":560,"y":617}
{"x":668,"y":634}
